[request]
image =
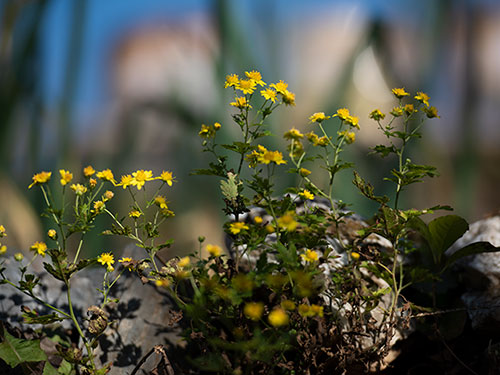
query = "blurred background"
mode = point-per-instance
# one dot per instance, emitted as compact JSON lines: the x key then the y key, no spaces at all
{"x":126,"y":84}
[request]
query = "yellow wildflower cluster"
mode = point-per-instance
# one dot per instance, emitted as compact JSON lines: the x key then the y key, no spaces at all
{"x":249,"y":84}
{"x":253,"y":310}
{"x":39,"y":248}
{"x":214,"y":250}
{"x":349,"y":136}
{"x":40,"y":178}
{"x":263,"y":156}
{"x":306,"y":194}
{"x":345,"y":116}
{"x":66,"y":177}
{"x":287,"y":221}
{"x":310,"y":256}
{"x":318,"y":117}
{"x":317,"y":140}
{"x":209,"y":131}
{"x":309,"y":311}
{"x":3,"y":248}
{"x":107,"y":259}
{"x":237,"y":227}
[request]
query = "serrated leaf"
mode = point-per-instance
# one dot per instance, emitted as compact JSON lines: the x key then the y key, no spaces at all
{"x":473,"y":248}
{"x":230,"y":187}
{"x":16,"y":351}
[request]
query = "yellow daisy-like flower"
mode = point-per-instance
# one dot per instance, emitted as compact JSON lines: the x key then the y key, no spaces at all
{"x":135,"y":214}
{"x":237,"y":227}
{"x":287,"y":222}
{"x":253,"y":310}
{"x":397,"y":111}
{"x":107,"y":195}
{"x":161,"y":202}
{"x":106,"y":259}
{"x":247,"y":86}
{"x":318,"y":117}
{"x":127,"y":263}
{"x":162,"y":283}
{"x":288,"y":98}
{"x":256,"y":77}
{"x":217,"y":126}
{"x":280,"y":87}
{"x":422,"y":97}
{"x":140,"y":177}
{"x":269,"y":228}
{"x":304,"y":172}
{"x":92,"y":183}
{"x":88,"y":171}
{"x":78,"y":189}
{"x":271,"y":157}
{"x":306,"y":194}
{"x":66,"y":177}
{"x":305,"y":310}
{"x":231,"y":80}
{"x":106,"y":174}
{"x":269,"y":94}
{"x":317,"y":310}
{"x":342,"y":113}
{"x":126,"y":181}
{"x":240,"y":102}
{"x":350,"y":137}
{"x":40,"y":178}
{"x":184,"y":262}
{"x":431,"y":112}
{"x":39,"y":247}
{"x":310,"y":256}
{"x":214,"y":250}
{"x":323,"y":141}
{"x":293,"y":134}
{"x":399,"y":92}
{"x":18,"y":256}
{"x":278,"y":317}
{"x":409,"y":109}
{"x":376,"y":115}
{"x":288,"y":305}
{"x":353,"y":121}
{"x":258,"y":220}
{"x":99,"y":206}
{"x":125,"y":260}
{"x":3,"y":249}
{"x":52,"y":234}
{"x":355,"y":255}
{"x":2,"y":231}
{"x":167,"y":177}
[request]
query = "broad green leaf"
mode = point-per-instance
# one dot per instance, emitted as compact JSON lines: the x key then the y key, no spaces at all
{"x":48,"y":369}
{"x":444,"y":231}
{"x":16,"y":351}
{"x":473,"y":248}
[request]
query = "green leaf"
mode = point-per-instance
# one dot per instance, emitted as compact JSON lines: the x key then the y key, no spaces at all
{"x":444,"y":231}
{"x":473,"y":248}
{"x":16,"y":351}
{"x":48,"y":369}
{"x":230,"y":187}
{"x":383,"y":151}
{"x":367,"y":189}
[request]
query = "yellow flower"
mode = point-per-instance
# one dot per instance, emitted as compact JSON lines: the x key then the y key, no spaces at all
{"x":52,"y":234}
{"x":288,"y":305}
{"x":106,"y":174}
{"x":247,"y":86}
{"x":214,"y":250}
{"x":399,"y":92}
{"x":106,"y":259}
{"x":293,"y":134}
{"x":92,"y":183}
{"x":431,"y":112}
{"x":280,"y":87}
{"x":240,"y":102}
{"x":217,"y":126}
{"x":342,"y":113}
{"x":206,"y":131}
{"x":350,"y":137}
{"x":40,"y":178}
{"x":125,"y":259}
{"x":278,"y":317}
{"x":253,"y":310}
{"x":304,"y":172}
{"x":269,"y":94}
{"x":355,"y":255}
{"x":127,"y":263}
{"x":3,"y":249}
{"x":39,"y":247}
{"x":422,"y":97}
{"x":18,"y":256}
{"x":237,"y":227}
{"x":318,"y":117}
{"x":231,"y":80}
{"x":88,"y":171}
{"x":99,"y":206}
{"x":287,"y":222}
{"x":162,"y":283}
{"x":317,"y":310}
{"x":269,"y":228}
{"x":309,"y":256}
{"x":2,"y":231}
{"x":397,"y":111}
{"x":271,"y":157}
{"x":140,"y":177}
{"x":66,"y":177}
{"x":126,"y":181}
{"x":377,"y":115}
{"x":323,"y":141}
{"x":108,"y":195}
{"x":78,"y":189}
{"x":161,"y":202}
{"x":258,"y":220}
{"x":305,"y":310}
{"x":256,"y":77}
{"x":135,"y":214}
{"x":184,"y":262}
{"x":353,"y":121}
{"x":288,"y":98}
{"x":306,"y":194}
{"x":167,"y":177}
{"x":409,"y":109}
